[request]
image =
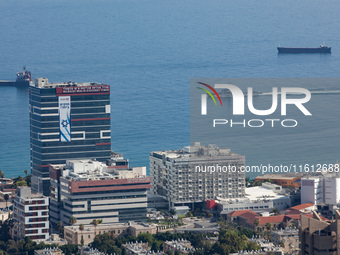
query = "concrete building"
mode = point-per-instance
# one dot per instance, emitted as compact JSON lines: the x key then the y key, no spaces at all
{"x":74,"y":235}
{"x":49,"y":251}
{"x":197,"y":173}
{"x":139,"y":248}
{"x":180,"y":246}
{"x":88,"y":189}
{"x":86,"y":250}
{"x":284,"y":180}
{"x":320,"y":236}
{"x":271,"y":192}
{"x":67,"y":121}
{"x":321,"y":189}
{"x":312,"y":190}
{"x":55,"y":239}
{"x":30,"y":215}
{"x":288,"y":238}
{"x":262,"y":199}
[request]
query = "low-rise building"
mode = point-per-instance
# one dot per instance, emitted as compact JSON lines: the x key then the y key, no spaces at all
{"x":284,"y":180}
{"x":55,"y":239}
{"x":261,"y":199}
{"x":74,"y":235}
{"x":86,"y":250}
{"x":288,"y":239}
{"x":4,"y":215}
{"x":30,"y":215}
{"x":181,"y":246}
{"x":139,"y":248}
{"x":89,"y":189}
{"x":49,"y":251}
{"x":271,"y":192}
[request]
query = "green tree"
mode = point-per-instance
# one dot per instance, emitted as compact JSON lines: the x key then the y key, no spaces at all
{"x":256,"y":222}
{"x":268,"y":226}
{"x":26,"y":172}
{"x":20,"y":183}
{"x":145,"y":238}
{"x":95,"y":223}
{"x":72,"y":220}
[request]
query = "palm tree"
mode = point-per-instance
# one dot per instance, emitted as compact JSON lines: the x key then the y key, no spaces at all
{"x":26,"y":172}
{"x":81,"y":228}
{"x":268,"y":226}
{"x":6,"y":197}
{"x":73,"y":220}
{"x":95,"y":223}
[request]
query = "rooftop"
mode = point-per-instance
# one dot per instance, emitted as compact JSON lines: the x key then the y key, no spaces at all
{"x":109,"y":227}
{"x":87,"y":169}
{"x":286,"y":176}
{"x":260,"y":192}
{"x":43,"y":83}
{"x":240,"y":212}
{"x":302,"y":206}
{"x":197,"y":151}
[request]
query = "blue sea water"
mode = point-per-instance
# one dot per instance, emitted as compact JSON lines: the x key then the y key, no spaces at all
{"x":148,"y":50}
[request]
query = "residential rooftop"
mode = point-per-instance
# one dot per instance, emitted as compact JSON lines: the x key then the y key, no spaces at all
{"x":196,"y":151}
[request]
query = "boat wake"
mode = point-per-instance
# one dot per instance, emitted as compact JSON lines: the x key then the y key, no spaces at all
{"x":319,"y":91}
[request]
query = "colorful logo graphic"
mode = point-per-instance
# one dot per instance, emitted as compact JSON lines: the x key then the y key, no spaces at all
{"x":208,"y":92}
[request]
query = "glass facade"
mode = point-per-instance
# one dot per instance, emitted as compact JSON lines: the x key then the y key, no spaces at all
{"x":90,"y":128}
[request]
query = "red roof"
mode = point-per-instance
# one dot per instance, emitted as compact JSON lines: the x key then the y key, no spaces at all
{"x":250,"y":217}
{"x":292,"y":212}
{"x":241,"y":212}
{"x":293,"y":216}
{"x":271,"y":219}
{"x":302,"y":206}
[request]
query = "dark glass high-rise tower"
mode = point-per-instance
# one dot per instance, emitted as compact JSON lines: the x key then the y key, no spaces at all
{"x":67,"y":121}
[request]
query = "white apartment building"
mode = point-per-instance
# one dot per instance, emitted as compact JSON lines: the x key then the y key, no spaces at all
{"x":30,"y":215}
{"x":197,"y":173}
{"x":322,"y":189}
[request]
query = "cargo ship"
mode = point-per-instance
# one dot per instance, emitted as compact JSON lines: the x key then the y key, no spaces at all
{"x":321,"y":49}
{"x":23,"y":79}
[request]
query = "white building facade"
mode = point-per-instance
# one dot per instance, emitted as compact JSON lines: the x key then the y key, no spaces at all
{"x":322,"y":189}
{"x":30,"y":215}
{"x":197,"y":173}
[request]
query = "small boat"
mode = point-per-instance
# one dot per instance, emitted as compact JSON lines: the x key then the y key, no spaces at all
{"x":321,"y":49}
{"x":23,"y":79}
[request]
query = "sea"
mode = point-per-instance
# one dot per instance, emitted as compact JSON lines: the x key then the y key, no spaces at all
{"x":148,"y":50}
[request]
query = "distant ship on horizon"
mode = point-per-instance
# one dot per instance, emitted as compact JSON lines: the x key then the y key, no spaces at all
{"x":321,"y":49}
{"x":23,"y":79}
